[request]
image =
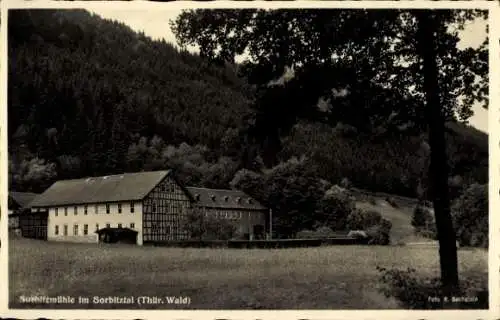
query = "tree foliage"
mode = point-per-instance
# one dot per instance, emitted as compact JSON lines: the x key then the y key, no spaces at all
{"x":377,"y":70}
{"x":93,"y":97}
{"x":84,"y":87}
{"x":200,"y":226}
{"x":470,"y":216}
{"x":342,"y":56}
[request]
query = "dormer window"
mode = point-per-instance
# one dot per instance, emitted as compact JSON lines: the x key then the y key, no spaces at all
{"x":249,"y":200}
{"x":197,"y":197}
{"x":212,"y":197}
{"x":238,"y":199}
{"x":226,"y":198}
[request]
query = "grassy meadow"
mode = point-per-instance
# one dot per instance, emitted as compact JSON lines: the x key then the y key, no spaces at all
{"x":333,"y":277}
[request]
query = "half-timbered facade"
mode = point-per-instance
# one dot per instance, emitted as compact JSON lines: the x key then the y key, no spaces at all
{"x":164,"y":209}
{"x":34,"y":225}
{"x":18,"y":205}
{"x":153,"y":203}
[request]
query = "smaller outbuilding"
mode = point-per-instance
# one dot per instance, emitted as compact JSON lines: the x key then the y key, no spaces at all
{"x":19,"y":206}
{"x":117,"y":235}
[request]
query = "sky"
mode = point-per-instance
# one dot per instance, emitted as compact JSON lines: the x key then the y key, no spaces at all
{"x":155,"y":24}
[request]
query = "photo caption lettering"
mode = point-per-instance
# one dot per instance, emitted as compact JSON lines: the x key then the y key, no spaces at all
{"x":105,"y":300}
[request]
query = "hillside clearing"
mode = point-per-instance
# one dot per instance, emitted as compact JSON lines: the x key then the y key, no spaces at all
{"x":402,"y":231}
{"x":336,"y":277}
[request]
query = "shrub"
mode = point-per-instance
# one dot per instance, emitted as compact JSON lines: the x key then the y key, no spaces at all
{"x":470,"y":216}
{"x":415,"y":292}
{"x":377,"y":228}
{"x":321,"y":232}
{"x":419,"y":219}
{"x":355,"y":220}
{"x":201,"y":227}
{"x":294,"y":195}
{"x":412,"y":292}
{"x":334,"y":209}
{"x":372,"y":217}
{"x":423,"y":222}
{"x":361,"y":219}
{"x":379,"y":234}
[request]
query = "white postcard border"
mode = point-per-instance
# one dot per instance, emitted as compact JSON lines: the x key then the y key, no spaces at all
{"x":494,"y":168}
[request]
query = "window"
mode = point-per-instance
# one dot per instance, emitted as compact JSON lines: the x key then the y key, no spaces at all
{"x":96,"y":209}
{"x":85,"y":229}
{"x":65,"y":229}
{"x":131,"y":207}
{"x":107,"y":208}
{"x":119,"y":225}
{"x":85,"y":210}
{"x":132,"y":225}
{"x":154,"y":207}
{"x":108,"y":225}
{"x":96,"y":227}
{"x":75,"y":230}
{"x":119,"y":208}
{"x":56,"y":231}
{"x":65,"y":211}
{"x":75,"y":210}
{"x":56,"y":212}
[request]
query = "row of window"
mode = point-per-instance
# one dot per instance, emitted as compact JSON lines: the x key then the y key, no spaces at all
{"x":85,"y":230}
{"x":165,"y":206}
{"x":225,"y":215}
{"x":96,"y":209}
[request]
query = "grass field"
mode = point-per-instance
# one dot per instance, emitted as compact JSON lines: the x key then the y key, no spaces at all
{"x":336,"y":277}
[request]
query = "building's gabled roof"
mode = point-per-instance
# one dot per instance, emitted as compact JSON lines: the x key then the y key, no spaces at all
{"x":224,"y":199}
{"x":120,"y":187}
{"x":21,"y":199}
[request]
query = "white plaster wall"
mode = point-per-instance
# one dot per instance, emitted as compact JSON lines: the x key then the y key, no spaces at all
{"x":113,"y":218}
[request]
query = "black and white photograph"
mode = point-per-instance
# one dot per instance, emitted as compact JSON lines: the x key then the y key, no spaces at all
{"x":249,"y":158}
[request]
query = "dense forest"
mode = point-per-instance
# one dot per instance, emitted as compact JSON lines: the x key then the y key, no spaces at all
{"x":88,"y":96}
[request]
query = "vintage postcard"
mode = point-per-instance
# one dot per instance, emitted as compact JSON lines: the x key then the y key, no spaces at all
{"x":249,"y":159}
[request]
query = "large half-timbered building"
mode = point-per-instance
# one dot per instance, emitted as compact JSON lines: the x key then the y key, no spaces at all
{"x":154,"y":204}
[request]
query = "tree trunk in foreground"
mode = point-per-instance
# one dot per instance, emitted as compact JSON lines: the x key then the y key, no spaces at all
{"x":438,"y":168}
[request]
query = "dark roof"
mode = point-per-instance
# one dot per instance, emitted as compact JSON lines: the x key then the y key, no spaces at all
{"x":120,"y":187}
{"x":224,"y":199}
{"x":22,"y":199}
{"x":116,"y":230}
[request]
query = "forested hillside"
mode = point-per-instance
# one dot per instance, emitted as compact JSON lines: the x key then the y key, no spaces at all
{"x":89,"y":96}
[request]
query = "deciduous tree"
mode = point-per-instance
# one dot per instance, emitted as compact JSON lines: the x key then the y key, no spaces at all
{"x":379,"y":70}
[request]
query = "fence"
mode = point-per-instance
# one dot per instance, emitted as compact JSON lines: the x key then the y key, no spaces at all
{"x":261,"y":244}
